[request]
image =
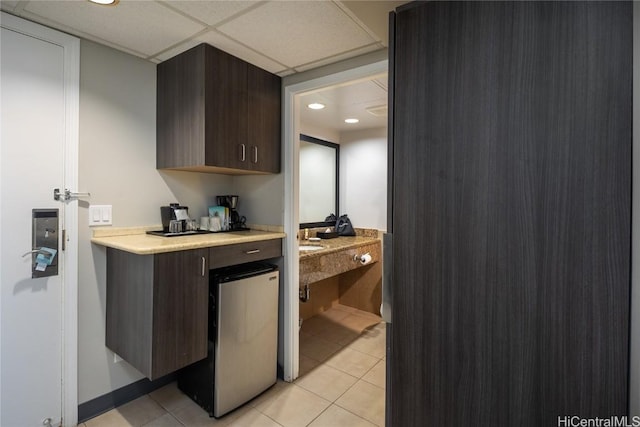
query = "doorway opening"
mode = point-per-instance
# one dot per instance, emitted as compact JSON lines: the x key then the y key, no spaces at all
{"x":330,"y":89}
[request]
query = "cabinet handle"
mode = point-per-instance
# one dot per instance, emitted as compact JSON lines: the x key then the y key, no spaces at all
{"x":204,"y":266}
{"x":254,"y":251}
{"x":243,"y":153}
{"x":255,"y":154}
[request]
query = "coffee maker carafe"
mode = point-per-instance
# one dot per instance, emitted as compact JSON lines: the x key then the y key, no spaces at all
{"x":236,"y":222}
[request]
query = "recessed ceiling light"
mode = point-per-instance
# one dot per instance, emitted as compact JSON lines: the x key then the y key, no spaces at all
{"x":105,"y":2}
{"x":351,"y":121}
{"x":316,"y":106}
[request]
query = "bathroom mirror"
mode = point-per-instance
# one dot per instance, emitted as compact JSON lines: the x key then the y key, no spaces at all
{"x":319,"y":179}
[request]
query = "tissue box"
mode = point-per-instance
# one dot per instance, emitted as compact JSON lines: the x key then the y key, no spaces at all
{"x":327,"y":235}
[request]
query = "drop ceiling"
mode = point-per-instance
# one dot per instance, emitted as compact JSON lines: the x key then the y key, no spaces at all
{"x":283,"y":37}
{"x":365,"y":100}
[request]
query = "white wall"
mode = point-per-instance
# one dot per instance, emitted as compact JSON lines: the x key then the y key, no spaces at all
{"x":261,"y":198}
{"x":634,"y":387}
{"x":320,"y":133}
{"x":363,"y":173}
{"x":363,"y":177}
{"x":117,"y":165}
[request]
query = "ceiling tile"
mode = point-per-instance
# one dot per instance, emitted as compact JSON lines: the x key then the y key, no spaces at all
{"x":142,"y":26}
{"x":222,"y":42}
{"x":347,"y":100}
{"x":383,"y":83}
{"x":211,"y":12}
{"x":340,"y":57}
{"x":182,"y":47}
{"x":286,"y":72}
{"x":352,"y":94}
{"x":374,"y":15}
{"x":297,"y":32}
{"x":8,"y":4}
{"x":226,"y":44}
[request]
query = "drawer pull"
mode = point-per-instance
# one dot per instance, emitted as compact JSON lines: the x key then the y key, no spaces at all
{"x":204,"y":266}
{"x":251,"y":252}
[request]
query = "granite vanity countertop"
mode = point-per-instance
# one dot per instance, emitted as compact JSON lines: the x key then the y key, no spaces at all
{"x":335,"y":245}
{"x":337,"y":256}
{"x":135,"y":239}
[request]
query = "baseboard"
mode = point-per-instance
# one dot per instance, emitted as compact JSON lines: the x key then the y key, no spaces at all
{"x":106,"y":402}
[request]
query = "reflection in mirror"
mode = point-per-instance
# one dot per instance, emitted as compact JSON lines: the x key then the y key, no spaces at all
{"x":319,"y":174}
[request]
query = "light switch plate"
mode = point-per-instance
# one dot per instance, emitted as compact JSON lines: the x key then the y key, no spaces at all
{"x":106,"y":215}
{"x":100,"y":215}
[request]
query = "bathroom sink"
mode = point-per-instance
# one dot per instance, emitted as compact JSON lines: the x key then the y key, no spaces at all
{"x":309,"y":248}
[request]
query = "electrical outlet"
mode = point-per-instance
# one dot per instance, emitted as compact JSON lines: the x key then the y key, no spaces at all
{"x":100,"y":215}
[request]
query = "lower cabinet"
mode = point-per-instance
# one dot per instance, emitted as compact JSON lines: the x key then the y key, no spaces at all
{"x":157,"y":309}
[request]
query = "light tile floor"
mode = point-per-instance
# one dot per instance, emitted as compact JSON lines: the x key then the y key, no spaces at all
{"x":341,"y":384}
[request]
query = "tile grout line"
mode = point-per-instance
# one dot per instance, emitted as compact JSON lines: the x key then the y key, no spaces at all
{"x":370,"y":422}
{"x":166,"y":412}
{"x":157,"y":398}
{"x":318,"y":416}
{"x":361,"y":378}
{"x":293,"y":384}
{"x":325,"y":409}
{"x":342,"y":347}
{"x":348,"y":388}
{"x":268,"y":417}
{"x":358,"y":379}
{"x":351,"y":412}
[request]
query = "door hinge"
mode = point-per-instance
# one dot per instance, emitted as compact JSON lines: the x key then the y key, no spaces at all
{"x":68,"y":195}
{"x":64,"y":239}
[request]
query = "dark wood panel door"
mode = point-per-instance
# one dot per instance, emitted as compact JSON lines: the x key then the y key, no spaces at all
{"x":264,"y":120}
{"x":180,"y":113}
{"x":227,"y":140}
{"x":180,"y":304}
{"x":129,"y":308}
{"x":511,"y":212}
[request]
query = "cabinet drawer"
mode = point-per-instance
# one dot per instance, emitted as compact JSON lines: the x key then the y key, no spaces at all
{"x":224,"y":256}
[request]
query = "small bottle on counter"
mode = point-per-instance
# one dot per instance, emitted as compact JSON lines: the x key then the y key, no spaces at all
{"x":306,"y":234}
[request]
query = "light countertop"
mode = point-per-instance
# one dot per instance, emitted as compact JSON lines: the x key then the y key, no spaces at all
{"x":135,"y":240}
{"x":338,"y":255}
{"x":335,"y":245}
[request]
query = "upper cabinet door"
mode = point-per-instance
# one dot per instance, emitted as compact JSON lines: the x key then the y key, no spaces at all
{"x":264,"y":120}
{"x":217,"y":113}
{"x":180,"y":113}
{"x":226,"y":110}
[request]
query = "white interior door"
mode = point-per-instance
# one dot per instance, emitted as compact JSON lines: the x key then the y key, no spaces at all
{"x":33,"y":161}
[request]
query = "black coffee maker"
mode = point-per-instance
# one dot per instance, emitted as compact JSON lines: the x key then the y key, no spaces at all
{"x":172,"y":212}
{"x":236,"y":222}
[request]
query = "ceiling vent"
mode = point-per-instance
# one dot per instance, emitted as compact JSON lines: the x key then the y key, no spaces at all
{"x":378,"y":111}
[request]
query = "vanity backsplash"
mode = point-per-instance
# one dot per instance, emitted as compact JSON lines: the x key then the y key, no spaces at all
{"x":360,"y":232}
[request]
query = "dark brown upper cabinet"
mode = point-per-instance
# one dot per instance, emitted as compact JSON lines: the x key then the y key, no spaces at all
{"x":217,"y":113}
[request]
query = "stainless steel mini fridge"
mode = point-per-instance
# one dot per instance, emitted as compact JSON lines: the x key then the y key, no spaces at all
{"x":243,"y":339}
